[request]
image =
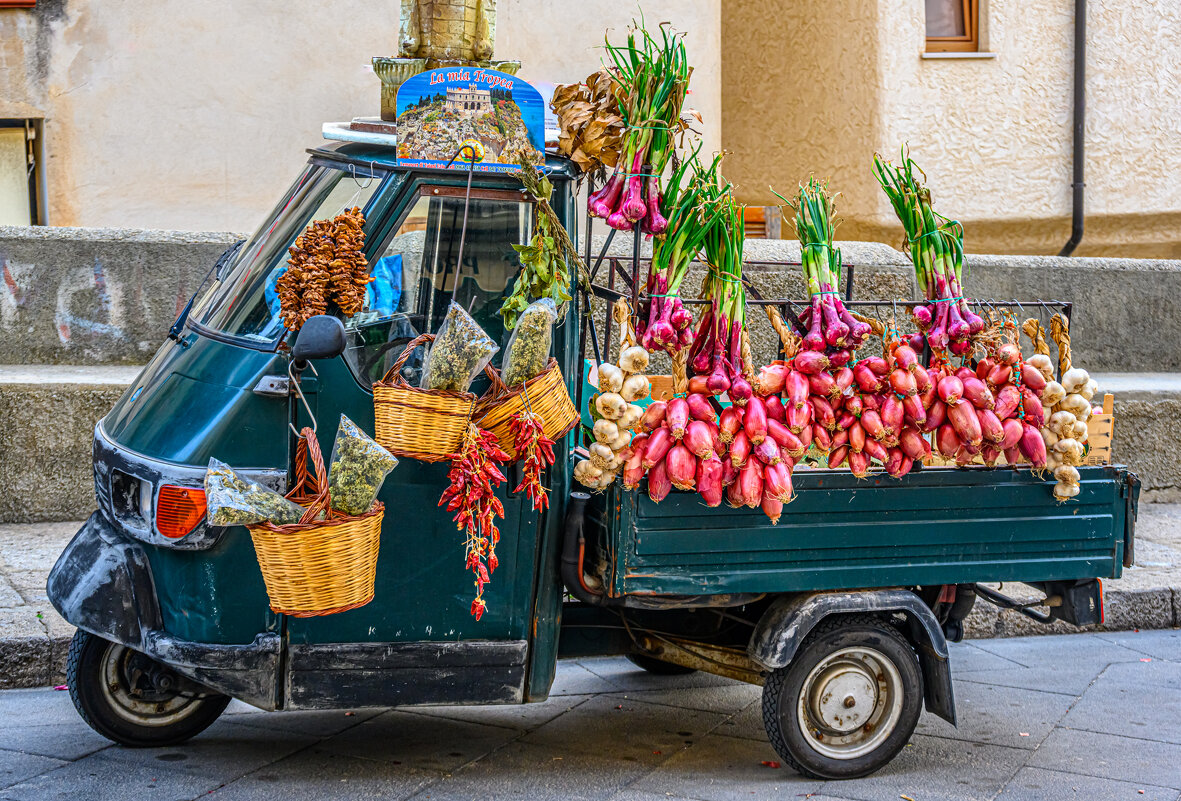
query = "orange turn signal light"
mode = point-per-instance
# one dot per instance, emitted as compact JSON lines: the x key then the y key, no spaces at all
{"x":179,"y":510}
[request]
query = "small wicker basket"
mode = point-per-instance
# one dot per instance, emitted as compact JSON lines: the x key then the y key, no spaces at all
{"x":318,"y":566}
{"x":423,"y":424}
{"x":545,"y":395}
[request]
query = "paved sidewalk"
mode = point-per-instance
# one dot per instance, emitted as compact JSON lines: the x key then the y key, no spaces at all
{"x":1088,"y":716}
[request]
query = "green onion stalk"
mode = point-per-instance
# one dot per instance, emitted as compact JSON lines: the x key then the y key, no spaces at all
{"x":717,"y":350}
{"x":937,"y":253}
{"x":691,"y":208}
{"x":651,"y":78}
{"x":828,"y":325}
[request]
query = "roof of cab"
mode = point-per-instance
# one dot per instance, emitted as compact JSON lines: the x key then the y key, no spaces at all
{"x":368,"y":154}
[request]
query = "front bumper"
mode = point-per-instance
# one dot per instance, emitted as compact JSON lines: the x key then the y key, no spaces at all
{"x":102,"y":583}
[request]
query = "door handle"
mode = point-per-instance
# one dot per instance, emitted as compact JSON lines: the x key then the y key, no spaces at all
{"x":273,"y":386}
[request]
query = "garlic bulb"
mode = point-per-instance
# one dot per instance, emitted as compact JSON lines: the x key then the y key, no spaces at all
{"x":1060,"y":423}
{"x":601,"y":455}
{"x":1053,"y":461}
{"x":636,"y":387}
{"x":1043,"y":363}
{"x":1076,"y":405}
{"x":1079,"y":431}
{"x":586,"y":473}
{"x":611,"y":405}
{"x":605,"y":431}
{"x":1089,"y":389}
{"x":1067,"y":474}
{"x":630,"y":417}
{"x":621,"y":441}
{"x":1070,"y":450}
{"x":633,"y":360}
{"x":1050,"y":437}
{"x":1053,"y":394}
{"x":610,"y":378}
{"x":1064,"y":491}
{"x":1074,"y":379}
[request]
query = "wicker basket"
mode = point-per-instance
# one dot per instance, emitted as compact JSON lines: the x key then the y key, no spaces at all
{"x":424,"y":424}
{"x":318,"y":567}
{"x":545,"y":394}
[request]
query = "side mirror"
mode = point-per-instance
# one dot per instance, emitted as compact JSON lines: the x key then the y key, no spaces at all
{"x":321,"y":337}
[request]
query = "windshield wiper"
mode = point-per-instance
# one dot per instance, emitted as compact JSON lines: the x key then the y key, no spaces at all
{"x":216,"y":270}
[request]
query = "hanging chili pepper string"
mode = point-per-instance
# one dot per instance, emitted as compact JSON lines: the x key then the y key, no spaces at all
{"x":537,"y":453}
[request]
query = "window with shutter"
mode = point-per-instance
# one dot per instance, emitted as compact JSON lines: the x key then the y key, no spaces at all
{"x":953,"y":25}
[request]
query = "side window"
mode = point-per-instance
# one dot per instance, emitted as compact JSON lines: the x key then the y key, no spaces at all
{"x":416,"y":271}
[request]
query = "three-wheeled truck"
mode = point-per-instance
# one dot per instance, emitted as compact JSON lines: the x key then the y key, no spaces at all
{"x":842,"y":612}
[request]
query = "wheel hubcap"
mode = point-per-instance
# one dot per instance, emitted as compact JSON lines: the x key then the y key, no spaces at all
{"x":141,"y":690}
{"x":850,"y":702}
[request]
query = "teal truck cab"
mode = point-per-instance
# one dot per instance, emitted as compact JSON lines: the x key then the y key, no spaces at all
{"x":842,"y":612}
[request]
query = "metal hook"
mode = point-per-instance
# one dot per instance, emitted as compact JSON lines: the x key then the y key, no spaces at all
{"x":353,"y":172}
{"x":300,"y":395}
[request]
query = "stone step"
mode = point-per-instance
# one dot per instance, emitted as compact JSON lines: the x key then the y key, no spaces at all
{"x":47,"y":417}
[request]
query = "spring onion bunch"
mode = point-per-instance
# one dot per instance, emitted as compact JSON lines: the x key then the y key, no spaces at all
{"x":691,"y":206}
{"x":717,"y":349}
{"x":651,"y":77}
{"x":828,"y":324}
{"x":937,"y":252}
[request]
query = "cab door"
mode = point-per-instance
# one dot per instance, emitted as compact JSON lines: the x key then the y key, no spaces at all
{"x":417,"y":642}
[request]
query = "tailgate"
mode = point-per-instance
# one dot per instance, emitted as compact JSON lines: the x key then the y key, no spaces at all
{"x":937,"y":526}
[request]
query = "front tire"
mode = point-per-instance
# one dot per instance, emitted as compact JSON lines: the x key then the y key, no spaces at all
{"x":133,"y":700}
{"x":847,"y":703}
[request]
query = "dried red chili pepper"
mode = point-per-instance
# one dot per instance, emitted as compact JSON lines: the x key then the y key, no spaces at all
{"x":537,"y":453}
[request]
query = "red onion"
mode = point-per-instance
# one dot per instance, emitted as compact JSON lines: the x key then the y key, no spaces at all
{"x":821,"y":438}
{"x":779,"y":432}
{"x":950,"y":389}
{"x":936,"y":416}
{"x":1013,"y":455}
{"x":677,"y":417}
{"x":731,"y":423}
{"x":913,"y":443}
{"x":822,"y":412}
{"x":754,"y":420}
{"x":774,"y":407}
{"x":999,"y":375}
{"x":823,"y":384}
{"x":709,"y":480}
{"x":796,"y":387}
{"x":991,"y":426}
{"x":660,"y":442}
{"x":867,"y":380}
{"x":965,"y":373}
{"x":855,"y":405}
{"x":633,"y":469}
{"x":879,"y":365}
{"x":845,"y":419}
{"x":715,"y":438}
{"x":1032,"y":405}
{"x":841,"y":437}
{"x":1007,"y":400}
{"x":659,"y":484}
{"x":976,"y":393}
{"x":777,"y":482}
{"x":740,"y":449}
{"x":844,"y":380}
{"x":700,"y":408}
{"x":750,"y":483}
{"x":839,"y":358}
{"x":871,"y":421}
{"x":856,"y":437}
{"x":967,"y":425}
{"x":947,"y":441}
{"x":769,"y":380}
{"x":740,"y":391}
{"x":653,"y":415}
{"x":895,"y":462}
{"x":810,"y":362}
{"x":805,"y":436}
{"x":799,"y":419}
{"x":681,"y":466}
{"x":892,"y":417}
{"x":913,"y":411}
{"x":772,"y":508}
{"x":902,"y":382}
{"x":873,"y":401}
{"x":990,"y":454}
{"x":698,"y":439}
{"x":858,"y":464}
{"x":837,"y":457}
{"x":984,"y":367}
{"x":699,"y":385}
{"x":1014,"y":428}
{"x":1008,"y":354}
{"x":922,"y":382}
{"x":729,"y":473}
{"x":876,"y":450}
{"x":767,"y":451}
{"x":1032,"y":378}
{"x":905,"y":357}
{"x":1033,"y":447}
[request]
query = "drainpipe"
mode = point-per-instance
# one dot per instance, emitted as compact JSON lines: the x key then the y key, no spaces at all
{"x":1080,"y":110}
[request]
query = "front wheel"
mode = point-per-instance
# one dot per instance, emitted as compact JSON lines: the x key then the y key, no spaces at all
{"x":134,"y":700}
{"x":847,"y":703}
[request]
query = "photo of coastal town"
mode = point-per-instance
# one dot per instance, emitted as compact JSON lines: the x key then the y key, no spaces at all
{"x":434,"y":120}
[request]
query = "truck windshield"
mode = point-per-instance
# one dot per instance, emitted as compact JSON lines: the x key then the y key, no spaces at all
{"x":243,"y":303}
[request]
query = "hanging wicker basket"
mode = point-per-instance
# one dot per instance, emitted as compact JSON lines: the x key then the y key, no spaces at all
{"x":318,"y":566}
{"x":545,"y":395}
{"x":423,"y":424}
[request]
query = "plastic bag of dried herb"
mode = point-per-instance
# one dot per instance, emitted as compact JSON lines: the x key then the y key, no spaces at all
{"x":460,"y":351}
{"x":528,"y":348}
{"x":231,"y":500}
{"x":357,"y":469}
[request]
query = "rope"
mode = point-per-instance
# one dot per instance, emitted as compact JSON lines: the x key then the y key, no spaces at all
{"x":787,"y":338}
{"x":1060,"y":333}
{"x":679,"y":371}
{"x":621,"y":313}
{"x":875,"y":326}
{"x":747,"y":359}
{"x":1033,"y":329}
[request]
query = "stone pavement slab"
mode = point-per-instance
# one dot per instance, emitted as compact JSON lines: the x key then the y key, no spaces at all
{"x":697,"y":738}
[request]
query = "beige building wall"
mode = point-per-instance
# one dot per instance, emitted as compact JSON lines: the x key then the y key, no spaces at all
{"x":993,"y":134}
{"x":194,"y":114}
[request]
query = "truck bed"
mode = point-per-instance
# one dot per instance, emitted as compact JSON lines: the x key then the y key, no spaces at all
{"x":935,"y":526}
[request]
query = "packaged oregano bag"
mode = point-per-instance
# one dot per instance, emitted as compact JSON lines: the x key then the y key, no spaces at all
{"x":528,"y":348}
{"x":357,"y":469}
{"x":231,"y":500}
{"x":460,"y":351}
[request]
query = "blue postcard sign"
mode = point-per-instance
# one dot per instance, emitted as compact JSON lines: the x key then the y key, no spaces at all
{"x":495,"y":114}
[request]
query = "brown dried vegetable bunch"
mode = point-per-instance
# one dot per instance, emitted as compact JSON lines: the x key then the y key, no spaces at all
{"x":327,"y":265}
{"x":589,"y":121}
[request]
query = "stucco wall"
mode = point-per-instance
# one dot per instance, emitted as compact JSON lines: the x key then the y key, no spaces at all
{"x":993,"y":135}
{"x":194,"y":116}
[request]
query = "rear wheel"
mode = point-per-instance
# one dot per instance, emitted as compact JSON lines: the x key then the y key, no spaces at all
{"x":134,"y":700}
{"x":847,"y":703}
{"x":658,"y":667}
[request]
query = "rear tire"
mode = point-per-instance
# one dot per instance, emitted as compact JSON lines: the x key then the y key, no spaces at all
{"x":132,"y":699}
{"x":848,"y":701}
{"x":658,"y":667}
